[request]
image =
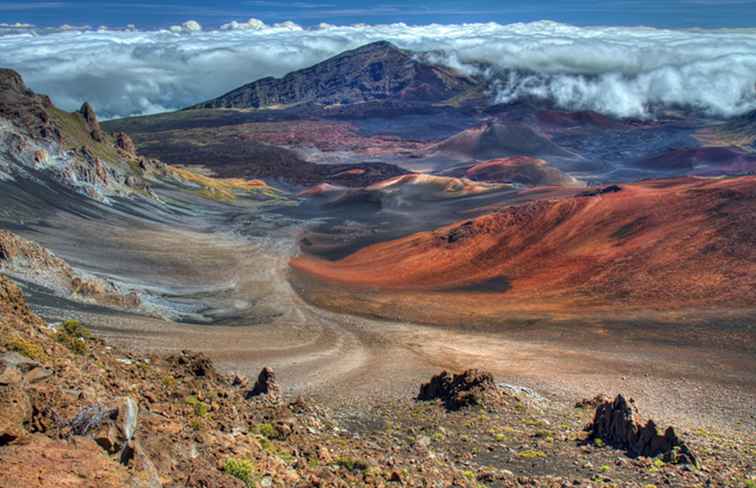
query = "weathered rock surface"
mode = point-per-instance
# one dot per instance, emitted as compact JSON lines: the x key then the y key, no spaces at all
{"x":42,"y":462}
{"x":473,"y":387}
{"x":125,"y":143}
{"x":265,"y":385}
{"x":618,"y":424}
{"x":189,"y":363}
{"x":15,"y":412}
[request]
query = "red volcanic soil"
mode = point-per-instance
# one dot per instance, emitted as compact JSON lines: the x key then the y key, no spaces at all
{"x":519,"y":169}
{"x":659,"y":244}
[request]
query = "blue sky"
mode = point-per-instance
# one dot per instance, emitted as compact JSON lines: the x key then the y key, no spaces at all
{"x":146,"y":14}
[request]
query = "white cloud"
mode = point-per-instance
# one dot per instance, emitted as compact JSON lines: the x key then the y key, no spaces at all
{"x":251,"y":24}
{"x":620,"y":71}
{"x":188,"y":26}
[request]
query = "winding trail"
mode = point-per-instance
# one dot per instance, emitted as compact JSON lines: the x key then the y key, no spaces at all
{"x":347,"y":360}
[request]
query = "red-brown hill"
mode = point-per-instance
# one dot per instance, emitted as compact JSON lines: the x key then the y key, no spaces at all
{"x":664,"y":243}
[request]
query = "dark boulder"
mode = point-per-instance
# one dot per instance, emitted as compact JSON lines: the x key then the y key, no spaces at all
{"x":265,"y":385}
{"x":473,"y":387}
{"x":618,"y":424}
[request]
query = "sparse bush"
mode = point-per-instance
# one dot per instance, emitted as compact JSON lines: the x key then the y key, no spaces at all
{"x":267,"y":430}
{"x":73,"y":335}
{"x":351,"y":464}
{"x":200,"y":408}
{"x":531,"y":454}
{"x":27,"y":348}
{"x":241,"y":469}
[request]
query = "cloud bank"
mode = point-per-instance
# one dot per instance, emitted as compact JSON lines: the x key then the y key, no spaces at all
{"x":624,"y":72}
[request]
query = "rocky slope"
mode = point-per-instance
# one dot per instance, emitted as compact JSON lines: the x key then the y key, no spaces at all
{"x":375,"y":72}
{"x":36,"y":138}
{"x":41,"y":143}
{"x":28,"y":260}
{"x":76,"y":412}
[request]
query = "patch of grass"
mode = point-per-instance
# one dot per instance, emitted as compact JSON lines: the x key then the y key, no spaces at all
{"x":241,"y":469}
{"x":268,"y":446}
{"x":223,"y":189}
{"x":468,"y":474}
{"x":27,"y":348}
{"x":75,"y":135}
{"x":605,"y":468}
{"x":351,"y":464}
{"x":73,"y":335}
{"x":499,"y":437}
{"x":531,"y":454}
{"x":200,"y":408}
{"x":750,"y":483}
{"x":599,"y":442}
{"x":169,"y":381}
{"x":438,"y":436}
{"x":268,"y":431}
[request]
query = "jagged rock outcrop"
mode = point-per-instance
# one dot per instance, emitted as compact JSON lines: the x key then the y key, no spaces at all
{"x":124,"y":142}
{"x":472,"y":387}
{"x":28,"y":109}
{"x":375,"y":72}
{"x":90,"y":119}
{"x":618,"y":424}
{"x":265,"y":385}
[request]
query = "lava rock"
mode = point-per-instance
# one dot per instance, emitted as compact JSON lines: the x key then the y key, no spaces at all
{"x":15,"y":411}
{"x":265,"y":385}
{"x":473,"y":387}
{"x":618,"y":424}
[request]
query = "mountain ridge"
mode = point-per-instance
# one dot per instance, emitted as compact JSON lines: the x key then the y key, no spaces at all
{"x":375,"y":71}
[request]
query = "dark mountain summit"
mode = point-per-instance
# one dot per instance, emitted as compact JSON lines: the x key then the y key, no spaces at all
{"x":373,"y":72}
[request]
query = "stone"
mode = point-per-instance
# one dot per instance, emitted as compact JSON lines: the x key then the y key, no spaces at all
{"x":15,"y":412}
{"x":189,"y":363}
{"x":9,"y":375}
{"x":265,"y":385}
{"x":37,"y":374}
{"x":125,"y":143}
{"x":618,"y":424}
{"x":473,"y":387}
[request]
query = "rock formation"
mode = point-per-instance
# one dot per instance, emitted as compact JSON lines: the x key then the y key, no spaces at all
{"x":265,"y":385}
{"x":618,"y":424}
{"x":90,"y":119}
{"x":473,"y":387}
{"x":125,"y":144}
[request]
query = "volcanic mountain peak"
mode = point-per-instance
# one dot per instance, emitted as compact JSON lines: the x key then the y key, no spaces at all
{"x":374,"y":72}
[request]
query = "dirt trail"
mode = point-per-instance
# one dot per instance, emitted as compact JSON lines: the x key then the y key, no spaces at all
{"x":348,"y":360}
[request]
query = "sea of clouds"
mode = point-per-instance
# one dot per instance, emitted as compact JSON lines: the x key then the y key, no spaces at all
{"x":620,"y":71}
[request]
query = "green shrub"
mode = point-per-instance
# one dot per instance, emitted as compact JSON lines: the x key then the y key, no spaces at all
{"x":268,"y":431}
{"x":531,"y":454}
{"x":73,"y":335}
{"x":28,"y":348}
{"x":74,"y":328}
{"x":200,"y":408}
{"x":241,"y":469}
{"x":351,"y":464}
